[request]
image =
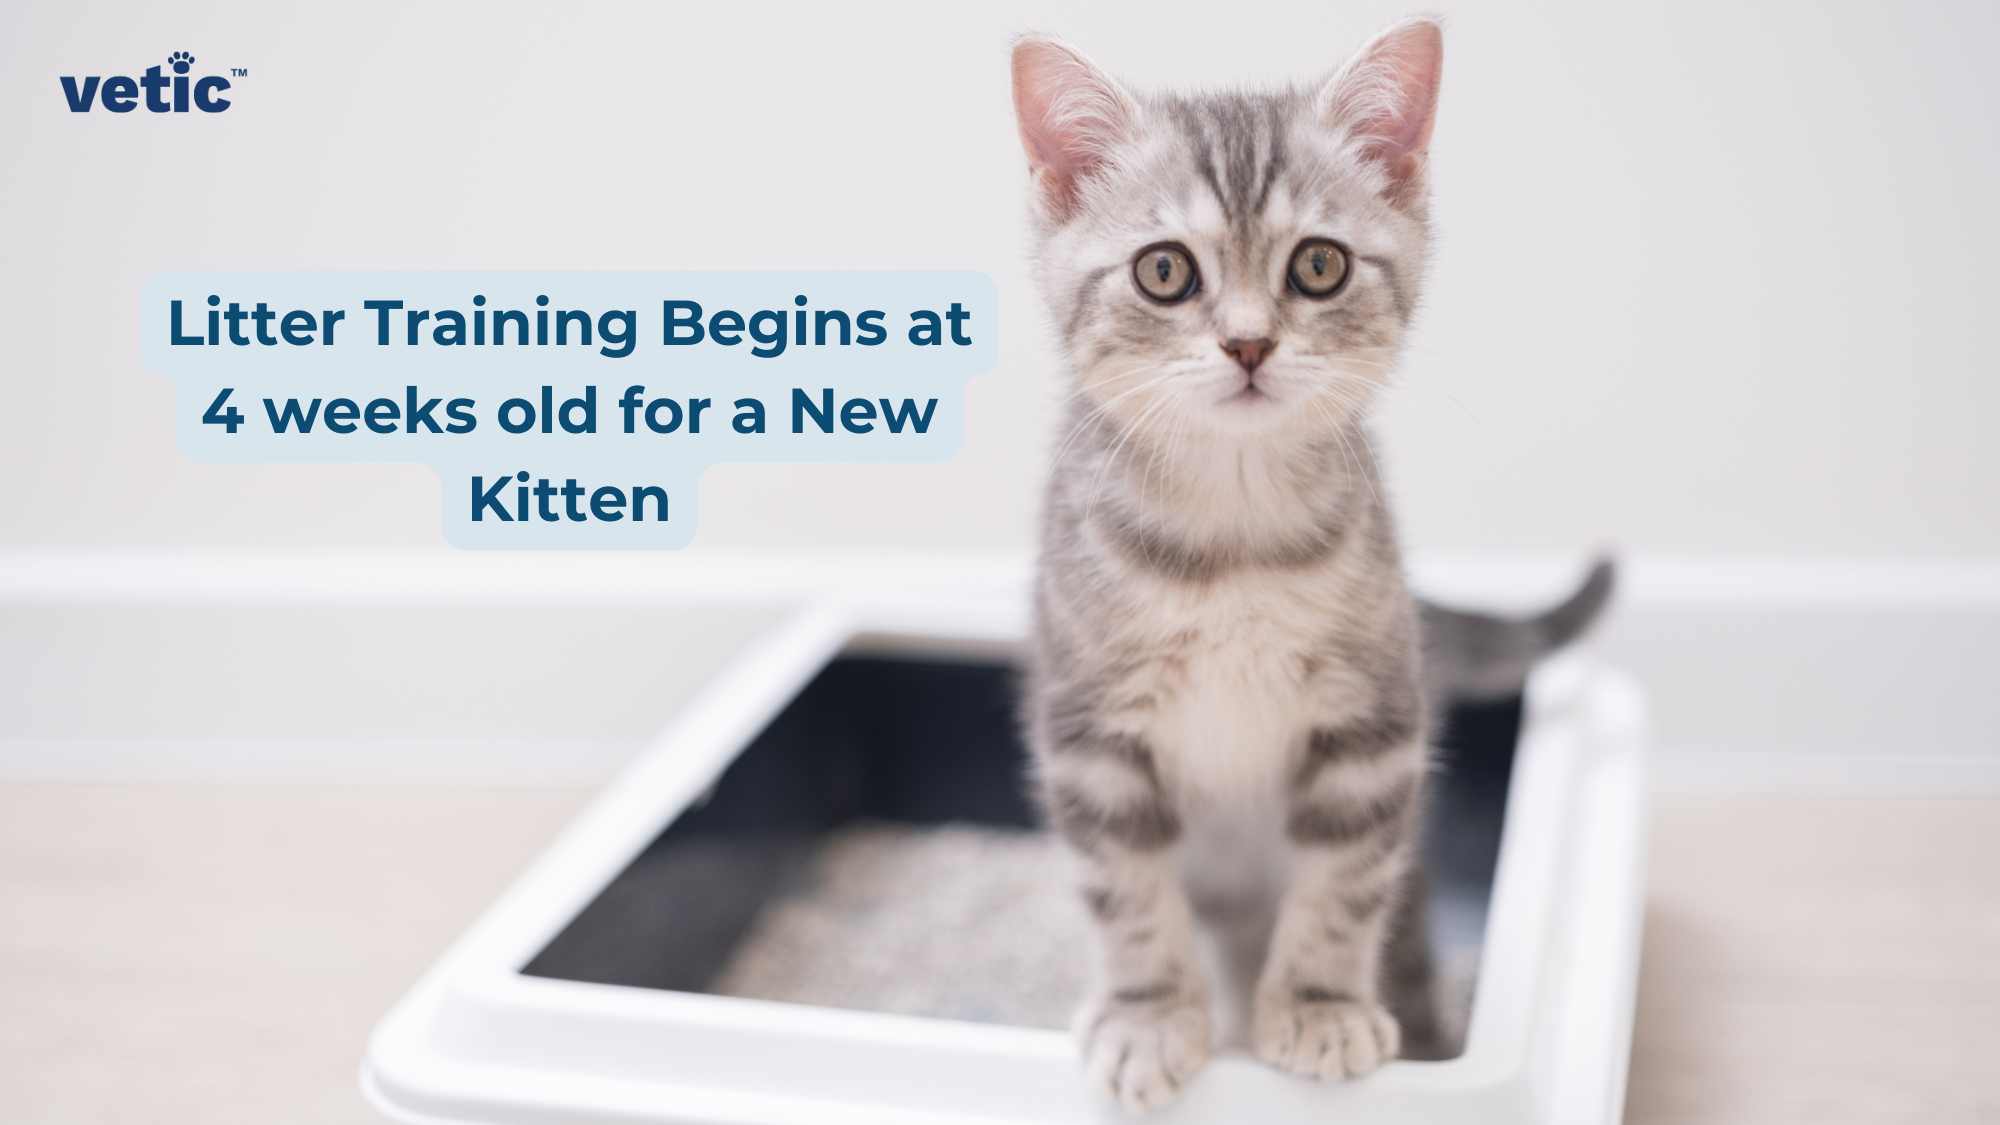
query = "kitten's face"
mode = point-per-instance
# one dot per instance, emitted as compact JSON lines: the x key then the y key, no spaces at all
{"x":1235,"y":265}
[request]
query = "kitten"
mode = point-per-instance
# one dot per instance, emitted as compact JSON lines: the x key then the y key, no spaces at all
{"x":1225,"y":697}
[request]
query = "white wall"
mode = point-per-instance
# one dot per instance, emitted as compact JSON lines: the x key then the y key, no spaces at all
{"x":1713,"y":277}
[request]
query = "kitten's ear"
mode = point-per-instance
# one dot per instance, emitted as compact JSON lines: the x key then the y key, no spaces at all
{"x":1071,"y":115}
{"x":1385,"y":99}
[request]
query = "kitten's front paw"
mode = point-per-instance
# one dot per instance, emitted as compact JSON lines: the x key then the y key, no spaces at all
{"x":1145,"y":1051}
{"x":1317,"y":1037}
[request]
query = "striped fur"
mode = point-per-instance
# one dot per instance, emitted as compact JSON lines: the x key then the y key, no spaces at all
{"x":1224,"y":703}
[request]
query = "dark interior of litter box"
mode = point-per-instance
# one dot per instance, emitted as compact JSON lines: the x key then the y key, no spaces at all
{"x":922,"y":742}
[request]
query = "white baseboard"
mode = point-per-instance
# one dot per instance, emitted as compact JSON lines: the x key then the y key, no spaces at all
{"x":547,"y":669}
{"x":499,"y":763}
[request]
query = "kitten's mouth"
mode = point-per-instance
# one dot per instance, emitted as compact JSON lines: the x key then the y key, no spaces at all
{"x":1246,"y":395}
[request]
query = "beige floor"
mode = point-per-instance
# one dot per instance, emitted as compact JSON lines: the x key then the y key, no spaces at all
{"x":1820,"y":961}
{"x":216,"y":955}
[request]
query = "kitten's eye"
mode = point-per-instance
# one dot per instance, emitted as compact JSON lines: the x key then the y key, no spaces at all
{"x":1319,"y":268}
{"x":1166,"y":273}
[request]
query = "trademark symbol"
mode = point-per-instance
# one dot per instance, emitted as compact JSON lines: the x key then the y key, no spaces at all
{"x":239,"y":72}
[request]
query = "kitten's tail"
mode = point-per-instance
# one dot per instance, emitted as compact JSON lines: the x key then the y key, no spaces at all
{"x":1476,"y":657}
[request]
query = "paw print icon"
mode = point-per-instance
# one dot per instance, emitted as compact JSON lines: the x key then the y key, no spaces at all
{"x":180,"y":61}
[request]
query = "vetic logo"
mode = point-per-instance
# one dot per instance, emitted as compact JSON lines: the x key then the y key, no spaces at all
{"x":163,"y":93}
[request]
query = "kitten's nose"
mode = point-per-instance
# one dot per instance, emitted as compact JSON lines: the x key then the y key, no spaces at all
{"x":1249,"y":351}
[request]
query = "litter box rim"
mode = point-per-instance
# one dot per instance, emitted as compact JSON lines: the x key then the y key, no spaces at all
{"x":475,"y":1040}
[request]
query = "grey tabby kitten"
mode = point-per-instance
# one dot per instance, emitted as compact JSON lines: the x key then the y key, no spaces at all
{"x":1225,"y":698}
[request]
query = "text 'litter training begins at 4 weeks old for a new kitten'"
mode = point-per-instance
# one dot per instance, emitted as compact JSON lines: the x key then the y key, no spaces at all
{"x":1229,"y":712}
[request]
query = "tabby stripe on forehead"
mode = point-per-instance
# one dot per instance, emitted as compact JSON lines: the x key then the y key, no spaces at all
{"x":1274,"y":156}
{"x":1238,"y":153}
{"x":1196,"y":131}
{"x":1273,"y":160}
{"x":1206,"y":166}
{"x":1240,"y":145}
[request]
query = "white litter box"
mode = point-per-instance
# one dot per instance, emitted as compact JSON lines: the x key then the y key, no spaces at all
{"x":648,"y":967}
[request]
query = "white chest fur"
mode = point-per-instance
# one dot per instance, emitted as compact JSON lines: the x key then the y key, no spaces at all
{"x":1234,"y":679}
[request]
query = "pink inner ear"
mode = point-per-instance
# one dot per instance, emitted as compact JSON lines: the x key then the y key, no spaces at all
{"x":1388,"y":96}
{"x":1070,"y":114}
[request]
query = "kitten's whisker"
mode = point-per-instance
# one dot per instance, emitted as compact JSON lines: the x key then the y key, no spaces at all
{"x":1346,"y":454}
{"x":1340,"y":435}
{"x":1366,"y":475}
{"x":1394,"y":369}
{"x":1158,"y":449}
{"x":1138,"y":423}
{"x":1090,"y":418}
{"x":1179,"y":426}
